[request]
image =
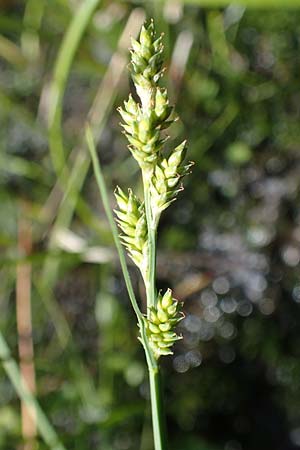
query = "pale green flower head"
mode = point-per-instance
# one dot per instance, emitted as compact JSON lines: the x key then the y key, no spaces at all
{"x":162,"y":321}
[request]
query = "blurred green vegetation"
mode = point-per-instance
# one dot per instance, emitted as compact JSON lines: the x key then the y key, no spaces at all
{"x":230,"y":246}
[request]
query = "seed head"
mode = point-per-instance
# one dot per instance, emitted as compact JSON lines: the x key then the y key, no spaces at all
{"x":132,"y":221}
{"x":161,"y":323}
{"x":144,"y":122}
{"x":165,"y":182}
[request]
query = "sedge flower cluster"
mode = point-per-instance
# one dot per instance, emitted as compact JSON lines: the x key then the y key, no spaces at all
{"x":144,"y":124}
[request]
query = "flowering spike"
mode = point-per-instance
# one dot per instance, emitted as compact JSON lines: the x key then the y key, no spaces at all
{"x":144,"y":122}
{"x":162,"y":321}
{"x":166,"y":178}
{"x":132,"y":221}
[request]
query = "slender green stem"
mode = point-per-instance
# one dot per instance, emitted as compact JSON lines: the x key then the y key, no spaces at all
{"x":103,"y":192}
{"x":44,"y":426}
{"x":150,"y":283}
{"x":157,"y":408}
{"x":151,"y":361}
{"x":105,"y":200}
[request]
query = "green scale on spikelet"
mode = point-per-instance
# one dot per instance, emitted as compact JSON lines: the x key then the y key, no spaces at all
{"x":132,"y":221}
{"x":146,"y":63}
{"x":143,"y":130}
{"x":161,"y":324}
{"x":165,"y":181}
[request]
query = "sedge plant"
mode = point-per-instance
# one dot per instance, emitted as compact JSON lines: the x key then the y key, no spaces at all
{"x":144,"y":125}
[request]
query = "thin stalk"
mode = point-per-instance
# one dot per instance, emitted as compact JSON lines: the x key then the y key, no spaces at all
{"x":157,"y":408}
{"x":108,"y":211}
{"x":150,"y":285}
{"x":45,"y":428}
{"x":104,"y":195}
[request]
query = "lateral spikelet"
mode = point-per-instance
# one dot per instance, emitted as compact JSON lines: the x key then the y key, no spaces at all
{"x":165,"y":182}
{"x":161,"y":324}
{"x":131,"y":219}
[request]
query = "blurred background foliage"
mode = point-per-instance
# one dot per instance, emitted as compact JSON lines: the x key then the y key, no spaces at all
{"x":229,"y":247}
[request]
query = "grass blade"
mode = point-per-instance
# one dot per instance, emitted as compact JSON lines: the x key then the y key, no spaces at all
{"x":10,"y":366}
{"x":64,"y":60}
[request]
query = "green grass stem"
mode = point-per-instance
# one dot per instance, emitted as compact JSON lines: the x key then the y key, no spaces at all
{"x":108,"y":211}
{"x":104,"y":195}
{"x":150,"y":287}
{"x":157,"y":409}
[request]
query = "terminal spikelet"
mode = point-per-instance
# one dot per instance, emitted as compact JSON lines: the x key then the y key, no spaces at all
{"x":161,"y":324}
{"x":146,"y":63}
{"x":132,"y":221}
{"x":144,"y":122}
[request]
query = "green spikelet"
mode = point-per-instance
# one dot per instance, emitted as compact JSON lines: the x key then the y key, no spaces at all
{"x":144,"y":122}
{"x":146,"y":63}
{"x":165,"y":182}
{"x":132,"y":221}
{"x":161,"y":324}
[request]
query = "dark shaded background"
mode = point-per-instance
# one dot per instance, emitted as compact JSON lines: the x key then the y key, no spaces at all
{"x":229,"y":247}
